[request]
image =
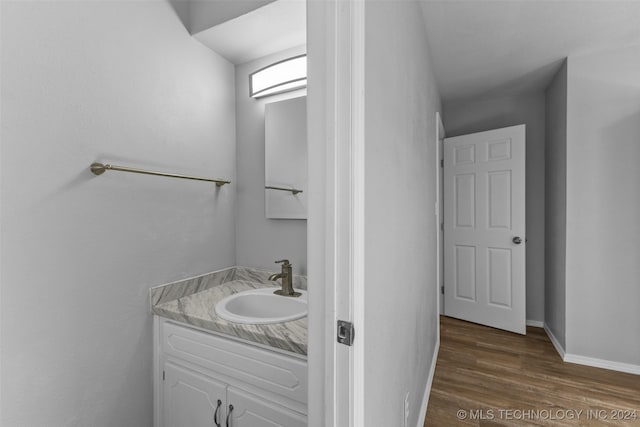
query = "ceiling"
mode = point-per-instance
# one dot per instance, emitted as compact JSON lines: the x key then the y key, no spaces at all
{"x":479,"y":48}
{"x":269,"y":29}
{"x":497,"y":48}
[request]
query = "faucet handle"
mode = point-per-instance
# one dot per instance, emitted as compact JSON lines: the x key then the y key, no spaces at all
{"x":283,"y":261}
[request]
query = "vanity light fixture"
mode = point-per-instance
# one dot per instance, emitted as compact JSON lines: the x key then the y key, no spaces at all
{"x":282,"y":76}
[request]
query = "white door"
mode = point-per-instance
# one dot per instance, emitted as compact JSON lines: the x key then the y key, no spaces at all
{"x":248,"y":410}
{"x":191,"y":399}
{"x":484,"y":226}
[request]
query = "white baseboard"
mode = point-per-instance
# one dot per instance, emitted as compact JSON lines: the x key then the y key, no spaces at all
{"x":427,"y":390}
{"x":554,"y":341}
{"x":591,"y":361}
{"x":601,"y":363}
{"x":535,"y":323}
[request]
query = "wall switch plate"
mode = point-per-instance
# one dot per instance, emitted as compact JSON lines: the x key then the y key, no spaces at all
{"x":406,"y":410}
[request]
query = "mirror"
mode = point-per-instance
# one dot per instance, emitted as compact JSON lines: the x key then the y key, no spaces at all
{"x":286,"y":159}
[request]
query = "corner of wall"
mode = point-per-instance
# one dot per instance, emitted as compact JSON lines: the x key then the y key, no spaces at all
{"x":182,"y":9}
{"x":554,"y":341}
{"x":259,"y":240}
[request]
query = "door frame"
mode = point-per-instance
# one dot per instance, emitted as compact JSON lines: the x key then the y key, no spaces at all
{"x":440,"y":136}
{"x":335,"y":225}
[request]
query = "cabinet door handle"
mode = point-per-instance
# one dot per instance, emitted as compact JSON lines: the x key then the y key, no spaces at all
{"x":229,"y":414}
{"x":215,"y":414}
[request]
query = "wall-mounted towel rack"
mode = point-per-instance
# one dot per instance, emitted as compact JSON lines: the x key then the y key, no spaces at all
{"x":293,"y":190}
{"x":100,"y":168}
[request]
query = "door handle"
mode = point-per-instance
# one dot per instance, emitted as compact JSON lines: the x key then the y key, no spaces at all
{"x":517,"y":240}
{"x":215,"y":414}
{"x":229,"y":414}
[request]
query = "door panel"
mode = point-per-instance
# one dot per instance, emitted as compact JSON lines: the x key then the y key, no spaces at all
{"x":499,"y":200}
{"x":191,"y":399}
{"x":252,"y":411}
{"x":465,"y":276}
{"x":465,"y":198}
{"x":484,"y":209}
{"x":499,"y":277}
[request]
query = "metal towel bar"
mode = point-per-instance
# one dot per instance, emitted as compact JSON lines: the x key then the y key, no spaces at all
{"x":293,"y":190}
{"x":100,"y":168}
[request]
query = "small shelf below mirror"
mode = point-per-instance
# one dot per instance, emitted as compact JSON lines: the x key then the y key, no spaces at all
{"x":294,"y":191}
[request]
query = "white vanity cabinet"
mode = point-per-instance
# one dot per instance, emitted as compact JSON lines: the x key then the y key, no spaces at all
{"x":203,"y":378}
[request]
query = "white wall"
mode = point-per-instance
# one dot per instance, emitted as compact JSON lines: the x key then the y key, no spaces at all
{"x":556,"y":205}
{"x":401,"y":304}
{"x":477,"y":115}
{"x":261,"y":241}
{"x":121,"y":82}
{"x":603,"y":206}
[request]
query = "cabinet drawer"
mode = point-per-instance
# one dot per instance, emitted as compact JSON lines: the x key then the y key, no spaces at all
{"x":261,"y":368}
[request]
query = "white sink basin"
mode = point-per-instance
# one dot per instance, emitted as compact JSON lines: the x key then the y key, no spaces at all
{"x":262,"y":306}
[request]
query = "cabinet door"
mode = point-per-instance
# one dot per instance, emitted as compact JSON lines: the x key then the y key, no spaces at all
{"x":191,"y":399}
{"x":253,"y":411}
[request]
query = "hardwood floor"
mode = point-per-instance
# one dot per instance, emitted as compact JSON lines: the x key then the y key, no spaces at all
{"x":497,"y":378}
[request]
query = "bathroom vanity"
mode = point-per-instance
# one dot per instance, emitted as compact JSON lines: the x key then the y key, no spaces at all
{"x":211,"y":372}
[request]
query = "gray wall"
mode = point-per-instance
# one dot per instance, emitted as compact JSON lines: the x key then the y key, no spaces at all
{"x":491,"y":113}
{"x":401,"y":304}
{"x":121,"y":82}
{"x":319,"y":358}
{"x":261,"y":241}
{"x":204,"y":14}
{"x":556,"y":205}
{"x":603,"y":206}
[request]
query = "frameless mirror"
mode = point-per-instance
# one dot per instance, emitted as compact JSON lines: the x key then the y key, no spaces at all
{"x":286,"y":159}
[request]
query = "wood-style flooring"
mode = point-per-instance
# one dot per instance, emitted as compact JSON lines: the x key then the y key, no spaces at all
{"x":488,"y":377}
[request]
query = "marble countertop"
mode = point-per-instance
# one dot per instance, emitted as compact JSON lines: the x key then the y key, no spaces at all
{"x":197,"y":309}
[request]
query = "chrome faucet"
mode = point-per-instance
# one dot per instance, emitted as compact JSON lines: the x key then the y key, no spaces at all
{"x":287,"y":280}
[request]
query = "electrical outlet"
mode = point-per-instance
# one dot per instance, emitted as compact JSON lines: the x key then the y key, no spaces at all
{"x":406,"y":410}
